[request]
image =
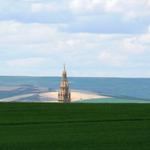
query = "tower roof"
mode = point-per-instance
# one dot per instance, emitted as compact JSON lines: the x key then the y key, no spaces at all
{"x":64,"y":75}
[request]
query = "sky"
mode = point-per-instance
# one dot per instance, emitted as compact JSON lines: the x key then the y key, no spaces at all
{"x":99,"y":38}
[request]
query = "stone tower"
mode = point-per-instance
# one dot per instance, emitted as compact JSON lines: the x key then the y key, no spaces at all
{"x":64,"y":94}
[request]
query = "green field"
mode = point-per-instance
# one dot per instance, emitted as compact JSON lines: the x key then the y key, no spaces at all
{"x":35,"y":126}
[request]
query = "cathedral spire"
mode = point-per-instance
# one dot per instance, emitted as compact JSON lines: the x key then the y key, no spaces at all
{"x":64,"y":93}
{"x":64,"y":75}
{"x":64,"y":67}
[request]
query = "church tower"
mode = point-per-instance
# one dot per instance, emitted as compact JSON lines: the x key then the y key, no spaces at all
{"x":64,"y":94}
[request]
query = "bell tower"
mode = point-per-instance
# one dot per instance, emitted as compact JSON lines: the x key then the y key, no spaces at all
{"x":64,"y":94}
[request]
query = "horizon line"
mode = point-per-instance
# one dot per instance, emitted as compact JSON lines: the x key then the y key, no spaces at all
{"x":73,"y":76}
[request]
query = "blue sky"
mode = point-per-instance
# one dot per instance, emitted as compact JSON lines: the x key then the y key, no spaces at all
{"x":93,"y":37}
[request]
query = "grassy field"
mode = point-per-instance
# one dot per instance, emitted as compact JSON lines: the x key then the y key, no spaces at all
{"x":112,"y":100}
{"x":28,"y":126}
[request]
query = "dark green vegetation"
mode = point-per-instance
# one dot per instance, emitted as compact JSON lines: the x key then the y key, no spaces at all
{"x":28,"y":126}
{"x":112,"y":100}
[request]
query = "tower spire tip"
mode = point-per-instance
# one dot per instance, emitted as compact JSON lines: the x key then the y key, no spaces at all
{"x":64,"y":66}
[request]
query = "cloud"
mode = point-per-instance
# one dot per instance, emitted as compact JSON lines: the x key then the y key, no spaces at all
{"x":26,"y":62}
{"x":145,"y":39}
{"x":86,"y":6}
{"x":44,"y":7}
{"x":131,"y":45}
{"x":36,"y":48}
{"x":111,"y":59}
{"x":12,"y":32}
{"x":130,"y":9}
{"x":92,"y":16}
